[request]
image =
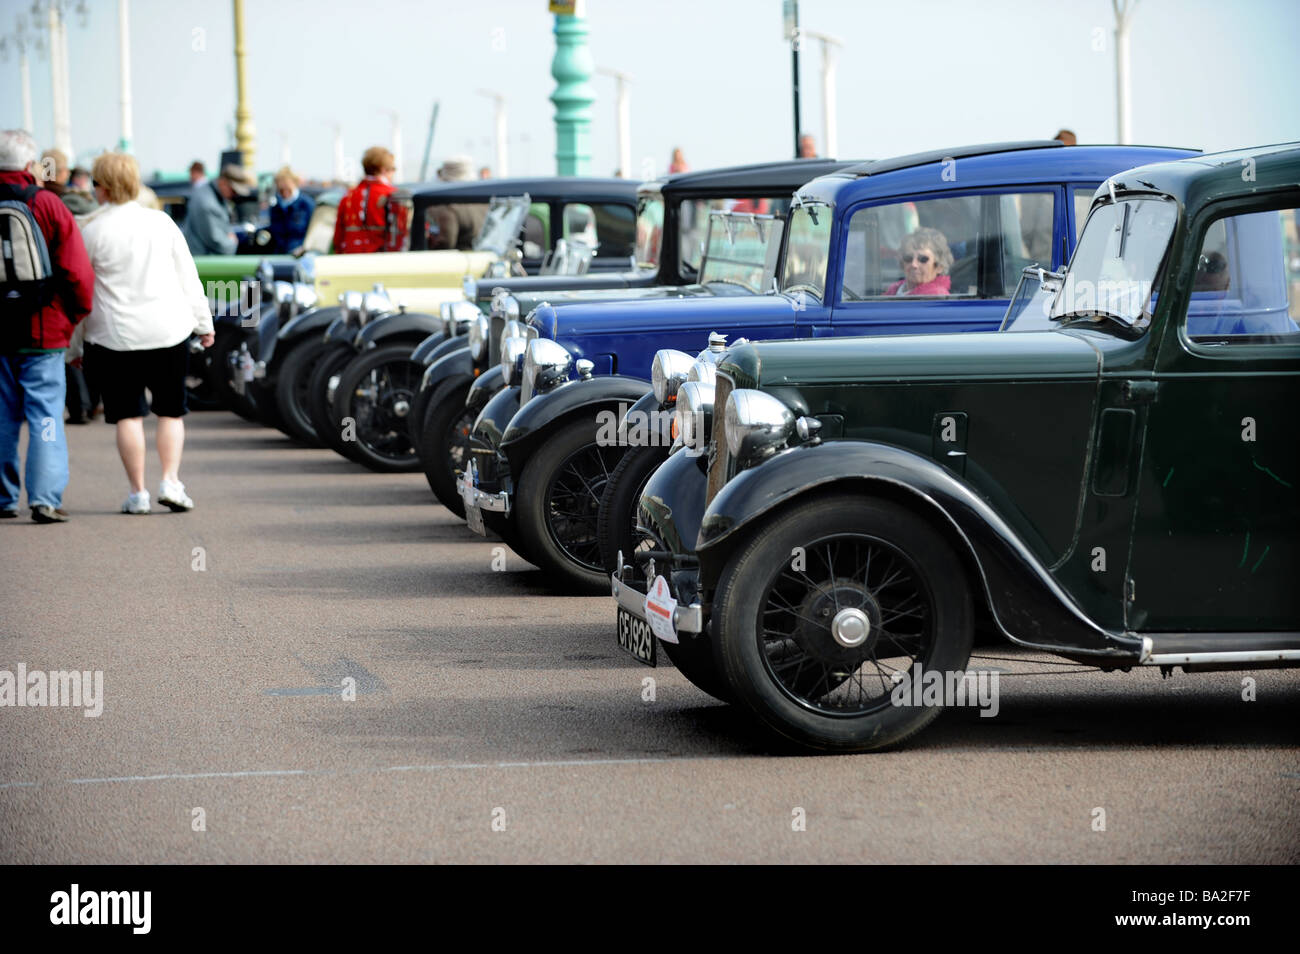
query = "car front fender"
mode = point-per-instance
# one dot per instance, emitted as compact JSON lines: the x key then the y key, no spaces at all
{"x":545,"y":412}
{"x":1026,"y":602}
{"x":455,"y":365}
{"x":414,"y":325}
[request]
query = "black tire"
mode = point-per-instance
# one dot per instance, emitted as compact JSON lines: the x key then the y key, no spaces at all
{"x":771,"y":616}
{"x":376,"y":390}
{"x":694,"y":659}
{"x":292,"y":381}
{"x":558,"y":501}
{"x":323,"y":422}
{"x":616,"y":520}
{"x":444,"y":446}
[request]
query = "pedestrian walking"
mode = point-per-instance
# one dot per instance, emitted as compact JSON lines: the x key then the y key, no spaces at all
{"x":46,"y":287}
{"x":207,"y":227}
{"x":148,"y":301}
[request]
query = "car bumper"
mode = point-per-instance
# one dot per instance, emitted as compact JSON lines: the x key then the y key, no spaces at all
{"x":687,"y":618}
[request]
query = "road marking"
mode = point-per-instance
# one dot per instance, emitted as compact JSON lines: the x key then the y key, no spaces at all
{"x":274,"y":773}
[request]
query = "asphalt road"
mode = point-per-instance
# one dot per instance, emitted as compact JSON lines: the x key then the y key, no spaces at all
{"x":480,"y":697}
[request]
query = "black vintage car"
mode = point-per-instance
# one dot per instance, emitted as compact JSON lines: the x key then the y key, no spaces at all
{"x":597,"y":212}
{"x":1118,"y":489}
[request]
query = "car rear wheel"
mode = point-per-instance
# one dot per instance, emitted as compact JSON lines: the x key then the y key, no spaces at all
{"x":558,"y":501}
{"x":377,"y":390}
{"x":823,"y":613}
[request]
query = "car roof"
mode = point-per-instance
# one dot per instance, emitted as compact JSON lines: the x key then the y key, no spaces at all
{"x":983,"y":165}
{"x":540,"y":188}
{"x":1203,"y":178}
{"x":784,"y":174}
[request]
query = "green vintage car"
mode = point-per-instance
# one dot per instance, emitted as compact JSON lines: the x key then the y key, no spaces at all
{"x":1122,"y":489}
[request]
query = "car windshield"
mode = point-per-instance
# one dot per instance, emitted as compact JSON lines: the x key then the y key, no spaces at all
{"x":649,"y":229}
{"x":1116,"y":266}
{"x":741,"y":249}
{"x":807,"y":250}
{"x":1031,"y":305}
{"x":505,"y":217}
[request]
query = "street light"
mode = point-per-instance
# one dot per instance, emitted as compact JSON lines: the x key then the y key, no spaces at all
{"x":624,"y":121}
{"x":501,"y":159}
{"x":830,"y":127}
{"x":20,"y":40}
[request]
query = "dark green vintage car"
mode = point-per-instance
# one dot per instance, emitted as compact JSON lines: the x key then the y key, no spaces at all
{"x":1120,"y":489}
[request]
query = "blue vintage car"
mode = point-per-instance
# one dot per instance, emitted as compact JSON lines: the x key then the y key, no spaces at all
{"x":672,"y":216}
{"x":969,"y":219}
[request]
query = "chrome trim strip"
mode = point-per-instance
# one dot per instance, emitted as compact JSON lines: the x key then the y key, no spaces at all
{"x":497,"y":503}
{"x":1233,"y":656}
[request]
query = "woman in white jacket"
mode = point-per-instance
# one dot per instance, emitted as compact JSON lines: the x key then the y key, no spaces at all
{"x":148,"y":301}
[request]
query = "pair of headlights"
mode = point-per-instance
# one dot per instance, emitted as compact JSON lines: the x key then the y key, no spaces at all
{"x":755,"y":423}
{"x":360,"y":307}
{"x":538,"y":365}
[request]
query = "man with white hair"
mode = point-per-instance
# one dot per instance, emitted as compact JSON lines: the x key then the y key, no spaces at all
{"x":46,"y":287}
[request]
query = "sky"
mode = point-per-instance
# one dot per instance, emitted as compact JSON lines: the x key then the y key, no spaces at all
{"x":710,"y":76}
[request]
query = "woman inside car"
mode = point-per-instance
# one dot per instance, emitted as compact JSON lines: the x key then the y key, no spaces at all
{"x":925,"y":259}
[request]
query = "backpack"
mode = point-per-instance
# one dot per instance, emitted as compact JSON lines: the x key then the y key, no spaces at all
{"x":27,"y":282}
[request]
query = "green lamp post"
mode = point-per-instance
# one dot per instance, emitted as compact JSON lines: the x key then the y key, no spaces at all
{"x":572,"y":68}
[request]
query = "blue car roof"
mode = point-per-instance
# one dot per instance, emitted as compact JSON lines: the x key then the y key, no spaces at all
{"x":991,"y":164}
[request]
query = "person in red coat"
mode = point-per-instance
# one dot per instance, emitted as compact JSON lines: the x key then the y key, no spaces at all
{"x":32,"y":379}
{"x":925,"y":259}
{"x":368,"y":221}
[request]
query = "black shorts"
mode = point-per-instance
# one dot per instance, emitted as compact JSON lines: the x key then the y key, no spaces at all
{"x":122,"y":376}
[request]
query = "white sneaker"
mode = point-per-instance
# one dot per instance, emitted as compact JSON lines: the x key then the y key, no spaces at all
{"x":137,"y":503}
{"x":171,"y":494}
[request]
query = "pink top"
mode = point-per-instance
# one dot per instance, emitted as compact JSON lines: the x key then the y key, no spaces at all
{"x":940,"y":285}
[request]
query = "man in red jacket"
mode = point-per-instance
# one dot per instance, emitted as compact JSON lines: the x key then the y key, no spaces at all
{"x":32,"y":382}
{"x":369,"y":220}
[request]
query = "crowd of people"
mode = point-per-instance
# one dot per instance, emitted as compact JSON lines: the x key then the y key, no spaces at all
{"x":112,"y":290}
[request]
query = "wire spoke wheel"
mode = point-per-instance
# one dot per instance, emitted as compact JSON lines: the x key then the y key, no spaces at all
{"x":824,"y":614}
{"x":838,"y":621}
{"x":573,"y":502}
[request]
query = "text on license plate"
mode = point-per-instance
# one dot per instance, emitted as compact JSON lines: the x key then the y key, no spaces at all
{"x":634,"y":637}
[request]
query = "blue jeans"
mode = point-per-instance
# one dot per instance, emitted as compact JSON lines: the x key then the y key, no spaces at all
{"x":32,"y":388}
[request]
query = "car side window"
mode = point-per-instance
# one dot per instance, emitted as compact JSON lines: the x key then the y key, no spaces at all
{"x":1246,"y":289}
{"x":609,"y":226}
{"x":972,"y":246}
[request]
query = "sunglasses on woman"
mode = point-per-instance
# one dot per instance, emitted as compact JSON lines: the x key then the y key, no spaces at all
{"x":921,"y":257}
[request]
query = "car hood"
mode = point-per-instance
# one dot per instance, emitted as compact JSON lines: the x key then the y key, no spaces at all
{"x":340,"y":273}
{"x":718,"y":307}
{"x":898,"y":358}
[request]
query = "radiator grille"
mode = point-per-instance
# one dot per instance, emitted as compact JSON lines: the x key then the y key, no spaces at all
{"x":719,"y":463}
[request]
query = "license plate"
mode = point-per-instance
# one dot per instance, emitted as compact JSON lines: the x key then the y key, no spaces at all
{"x":474,"y":517}
{"x":634,"y":637}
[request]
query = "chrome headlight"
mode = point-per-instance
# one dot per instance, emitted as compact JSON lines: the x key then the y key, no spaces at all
{"x":352,"y":307}
{"x":470,"y":287}
{"x":306,"y":297}
{"x":505,"y":304}
{"x":668,"y":372}
{"x":515,"y":329}
{"x":546,"y":366}
{"x":704,"y":371}
{"x":283,"y":293}
{"x":694,"y":420}
{"x":266,"y":277}
{"x":512,"y":358}
{"x":374,"y":303}
{"x":757,"y":425}
{"x":457,"y":317}
{"x":478,"y":337}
